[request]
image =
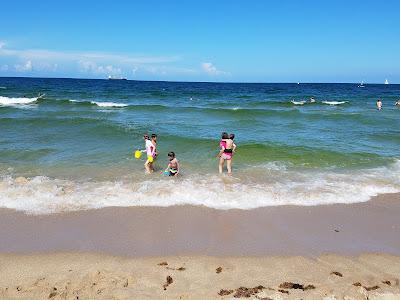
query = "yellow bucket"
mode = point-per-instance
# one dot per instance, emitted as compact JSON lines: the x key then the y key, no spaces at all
{"x":138,"y":154}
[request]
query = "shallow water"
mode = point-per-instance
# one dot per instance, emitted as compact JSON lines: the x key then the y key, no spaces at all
{"x":74,"y":147}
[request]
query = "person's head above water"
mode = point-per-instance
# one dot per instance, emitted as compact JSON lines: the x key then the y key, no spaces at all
{"x":153,"y":136}
{"x":231,"y":136}
{"x":224,"y":136}
{"x":146,"y":136}
{"x":171,"y":155}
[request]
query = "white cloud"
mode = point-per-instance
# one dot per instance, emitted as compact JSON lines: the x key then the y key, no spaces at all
{"x":50,"y":55}
{"x":161,"y":70}
{"x":2,"y":44}
{"x":156,"y":70}
{"x":4,"y":68}
{"x":93,"y":64}
{"x":93,"y":68}
{"x":46,"y":66}
{"x":210,"y":69}
{"x":26,"y":67}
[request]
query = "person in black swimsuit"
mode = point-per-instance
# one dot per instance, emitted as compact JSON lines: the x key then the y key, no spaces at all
{"x":173,"y":166}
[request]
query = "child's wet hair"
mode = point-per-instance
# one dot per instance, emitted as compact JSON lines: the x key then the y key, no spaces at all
{"x":231,"y":136}
{"x":153,"y":135}
{"x":171,"y":154}
{"x":224,"y":136}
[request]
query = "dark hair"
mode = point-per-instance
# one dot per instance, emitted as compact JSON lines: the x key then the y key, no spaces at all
{"x":146,"y":136}
{"x":153,"y":135}
{"x":224,"y":136}
{"x":171,"y":154}
{"x":232,"y":136}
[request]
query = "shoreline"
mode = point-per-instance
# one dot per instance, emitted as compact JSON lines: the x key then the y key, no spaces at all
{"x":328,"y":252}
{"x":345,"y":229}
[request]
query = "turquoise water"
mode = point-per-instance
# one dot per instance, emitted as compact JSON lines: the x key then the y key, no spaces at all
{"x":72,"y":149}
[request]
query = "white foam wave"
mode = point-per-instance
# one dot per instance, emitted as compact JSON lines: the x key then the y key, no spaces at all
{"x":279,"y":186}
{"x":334,"y":102}
{"x":298,"y":102}
{"x":3,"y":87}
{"x":109,"y":104}
{"x":6,"y":101}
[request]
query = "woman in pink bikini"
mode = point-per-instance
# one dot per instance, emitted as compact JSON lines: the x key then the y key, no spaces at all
{"x":228,"y":147}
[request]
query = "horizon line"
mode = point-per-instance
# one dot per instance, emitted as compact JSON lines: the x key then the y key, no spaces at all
{"x":182,"y":81}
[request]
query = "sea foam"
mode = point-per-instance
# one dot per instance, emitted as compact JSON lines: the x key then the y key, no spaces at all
{"x":274,"y":185}
{"x":108,"y":104}
{"x":6,"y":101}
{"x":298,"y":102}
{"x":334,"y":102}
{"x":99,"y":103}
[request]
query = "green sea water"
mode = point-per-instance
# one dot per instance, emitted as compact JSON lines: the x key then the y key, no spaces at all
{"x":73,"y":148}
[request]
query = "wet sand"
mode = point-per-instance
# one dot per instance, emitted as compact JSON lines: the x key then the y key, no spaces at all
{"x":185,"y":252}
{"x":373,"y":226}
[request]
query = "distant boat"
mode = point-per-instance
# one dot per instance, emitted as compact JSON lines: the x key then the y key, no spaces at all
{"x":115,"y":78}
{"x":361,"y":85}
{"x":386,"y":81}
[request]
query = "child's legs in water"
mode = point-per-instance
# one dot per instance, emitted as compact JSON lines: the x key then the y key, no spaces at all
{"x":148,"y":166}
{"x":221,"y":164}
{"x":229,"y":166}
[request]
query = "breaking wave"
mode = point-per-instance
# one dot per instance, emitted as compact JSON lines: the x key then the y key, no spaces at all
{"x":279,"y":186}
{"x":6,"y":101}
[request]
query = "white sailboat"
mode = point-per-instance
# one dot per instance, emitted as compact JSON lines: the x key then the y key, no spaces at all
{"x":361,"y":85}
{"x":386,"y":81}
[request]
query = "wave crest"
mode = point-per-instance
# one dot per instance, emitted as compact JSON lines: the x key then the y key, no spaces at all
{"x":108,"y":104}
{"x":6,"y":101}
{"x":334,"y":102}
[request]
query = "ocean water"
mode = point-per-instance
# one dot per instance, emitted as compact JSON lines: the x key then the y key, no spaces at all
{"x":73,"y":148}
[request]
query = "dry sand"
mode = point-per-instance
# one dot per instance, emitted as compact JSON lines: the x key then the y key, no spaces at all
{"x":90,"y":276}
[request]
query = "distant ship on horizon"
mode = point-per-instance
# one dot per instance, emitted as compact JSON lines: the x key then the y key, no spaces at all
{"x":386,"y":81}
{"x":116,"y":78}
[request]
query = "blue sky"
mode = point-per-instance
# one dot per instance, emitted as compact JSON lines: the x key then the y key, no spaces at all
{"x":238,"y":41}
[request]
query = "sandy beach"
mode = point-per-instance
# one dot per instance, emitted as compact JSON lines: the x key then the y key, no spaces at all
{"x":90,"y":276}
{"x":185,"y":252}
